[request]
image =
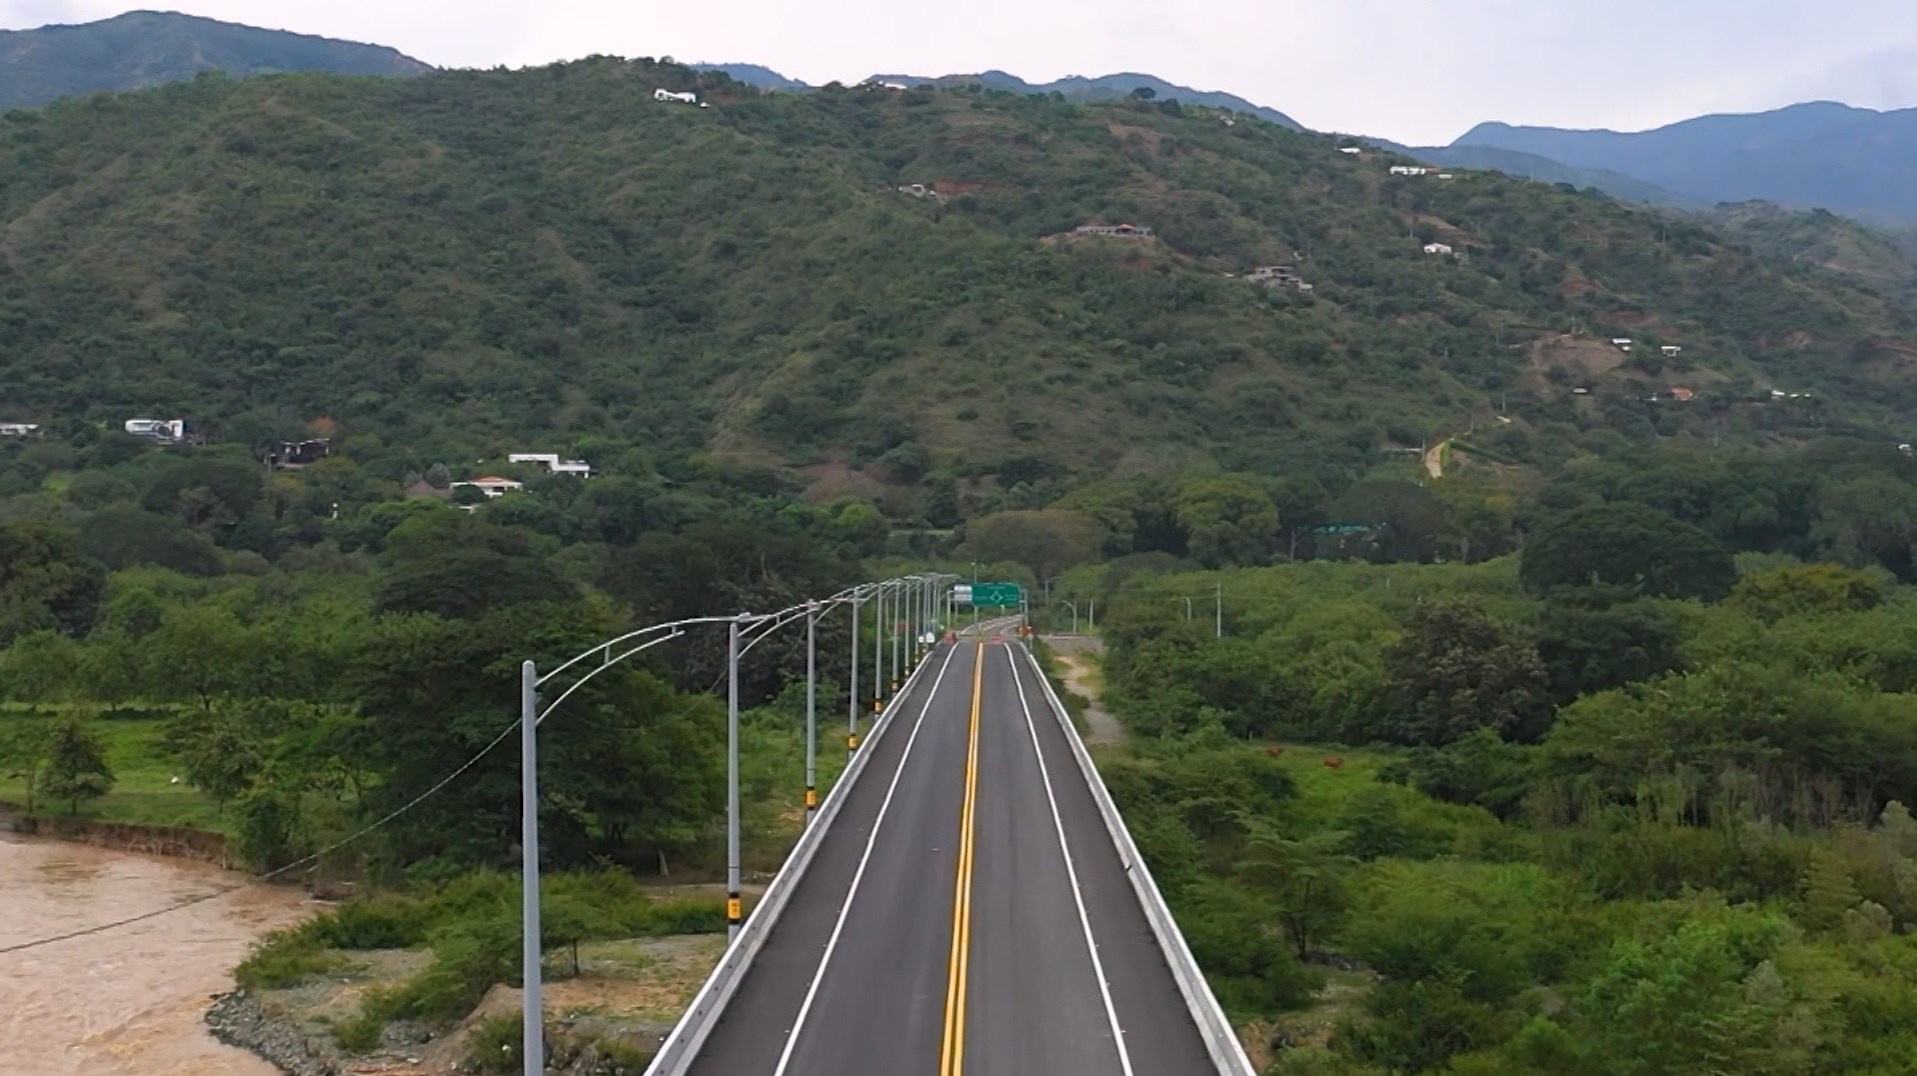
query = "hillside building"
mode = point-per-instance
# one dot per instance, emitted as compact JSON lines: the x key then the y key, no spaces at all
{"x":492,"y":486}
{"x":1278,"y":276}
{"x":1409,"y":170}
{"x":296,"y":455}
{"x":166,"y":431}
{"x":1114,"y":231}
{"x":18,"y":429}
{"x":552,"y":463}
{"x":1437,"y":248}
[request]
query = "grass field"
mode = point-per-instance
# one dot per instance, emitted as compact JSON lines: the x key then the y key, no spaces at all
{"x":143,"y":791}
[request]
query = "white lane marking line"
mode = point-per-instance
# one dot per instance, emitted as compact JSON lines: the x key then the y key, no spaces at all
{"x":805,"y":1008}
{"x":1071,"y":872}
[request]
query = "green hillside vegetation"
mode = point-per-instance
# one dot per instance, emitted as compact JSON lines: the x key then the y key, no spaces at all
{"x":1824,"y":240}
{"x":1598,"y":832}
{"x":142,"y":49}
{"x":455,"y":266}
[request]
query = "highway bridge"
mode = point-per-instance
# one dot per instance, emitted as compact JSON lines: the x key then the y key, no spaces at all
{"x":967,"y":903}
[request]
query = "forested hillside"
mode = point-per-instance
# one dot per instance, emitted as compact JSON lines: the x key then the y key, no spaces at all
{"x":458,"y":265}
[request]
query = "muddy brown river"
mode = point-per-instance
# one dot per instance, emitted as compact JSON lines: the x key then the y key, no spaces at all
{"x":129,"y":1000}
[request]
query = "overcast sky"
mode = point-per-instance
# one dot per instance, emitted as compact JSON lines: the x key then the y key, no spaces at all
{"x":1419,"y":71}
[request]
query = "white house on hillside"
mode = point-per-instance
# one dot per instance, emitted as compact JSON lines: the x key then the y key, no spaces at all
{"x":1437,"y":248}
{"x":552,"y":463}
{"x":18,"y":429}
{"x":169,"y":430}
{"x":1671,"y":351}
{"x":492,"y":486}
{"x":1409,"y":170}
{"x":682,"y":98}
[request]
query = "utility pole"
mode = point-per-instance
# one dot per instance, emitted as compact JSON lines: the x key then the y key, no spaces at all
{"x":852,"y":690}
{"x":1219,"y":596}
{"x":532,"y":1020}
{"x":1091,"y":614}
{"x":733,"y":909}
{"x":811,"y":711}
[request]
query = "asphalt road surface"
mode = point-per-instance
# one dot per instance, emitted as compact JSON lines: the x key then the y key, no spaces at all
{"x":967,"y":913}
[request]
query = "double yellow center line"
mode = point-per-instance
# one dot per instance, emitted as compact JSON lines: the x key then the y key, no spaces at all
{"x":952,"y":1053}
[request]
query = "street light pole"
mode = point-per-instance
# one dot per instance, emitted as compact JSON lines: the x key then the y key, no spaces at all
{"x":878,"y":656}
{"x":811,"y":711}
{"x":1219,"y":597}
{"x":733,"y":909}
{"x":852,"y":691}
{"x":532,"y":1020}
{"x":898,"y":609}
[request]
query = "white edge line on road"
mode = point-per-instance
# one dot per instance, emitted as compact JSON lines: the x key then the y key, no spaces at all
{"x":1071,"y":872}
{"x":838,"y":928}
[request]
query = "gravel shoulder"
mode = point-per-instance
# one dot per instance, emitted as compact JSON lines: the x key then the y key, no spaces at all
{"x":1077,"y":657}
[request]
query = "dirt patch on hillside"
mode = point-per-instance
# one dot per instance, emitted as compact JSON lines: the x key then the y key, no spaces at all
{"x":831,"y":481}
{"x":1582,"y":358}
{"x":1151,"y":136}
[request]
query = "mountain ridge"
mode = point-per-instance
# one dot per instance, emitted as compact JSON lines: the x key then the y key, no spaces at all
{"x":143,"y":49}
{"x":1081,"y":88}
{"x":1859,"y":162}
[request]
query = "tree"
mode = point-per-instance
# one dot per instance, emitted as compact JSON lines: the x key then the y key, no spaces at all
{"x":24,"y":746}
{"x":1308,"y":875}
{"x":1870,"y":520}
{"x":76,"y":766}
{"x":39,"y":667}
{"x":1457,"y":669}
{"x":46,"y":581}
{"x":1406,"y":519}
{"x":1629,"y":548}
{"x":1144,"y":93}
{"x":222,"y":750}
{"x":1828,"y":891}
{"x":1227,"y":521}
{"x":124,"y":535}
{"x":1804,"y":588}
{"x":200,"y":653}
{"x":457,"y":566}
{"x":1047,"y":541}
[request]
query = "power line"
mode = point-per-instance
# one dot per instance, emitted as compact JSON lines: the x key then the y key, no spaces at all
{"x":344,"y":841}
{"x":362,"y":832}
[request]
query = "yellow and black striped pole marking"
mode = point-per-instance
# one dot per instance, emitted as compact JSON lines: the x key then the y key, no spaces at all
{"x":852,"y":741}
{"x":733,"y":909}
{"x":811,"y":797}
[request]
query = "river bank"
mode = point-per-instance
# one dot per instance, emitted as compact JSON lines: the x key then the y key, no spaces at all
{"x":182,"y":842}
{"x":128,"y":1000}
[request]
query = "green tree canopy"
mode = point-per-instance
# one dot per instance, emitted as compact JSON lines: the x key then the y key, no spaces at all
{"x":76,"y":767}
{"x":1629,"y":547}
{"x":1227,"y":521}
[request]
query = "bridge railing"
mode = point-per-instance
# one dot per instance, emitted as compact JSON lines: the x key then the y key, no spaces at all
{"x":682,"y":1045}
{"x":1221,"y":1041}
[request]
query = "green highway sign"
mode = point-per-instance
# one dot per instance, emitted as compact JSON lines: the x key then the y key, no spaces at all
{"x":995,"y":593}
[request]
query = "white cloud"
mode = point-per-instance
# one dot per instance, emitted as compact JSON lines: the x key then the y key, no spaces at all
{"x":1415,"y":70}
